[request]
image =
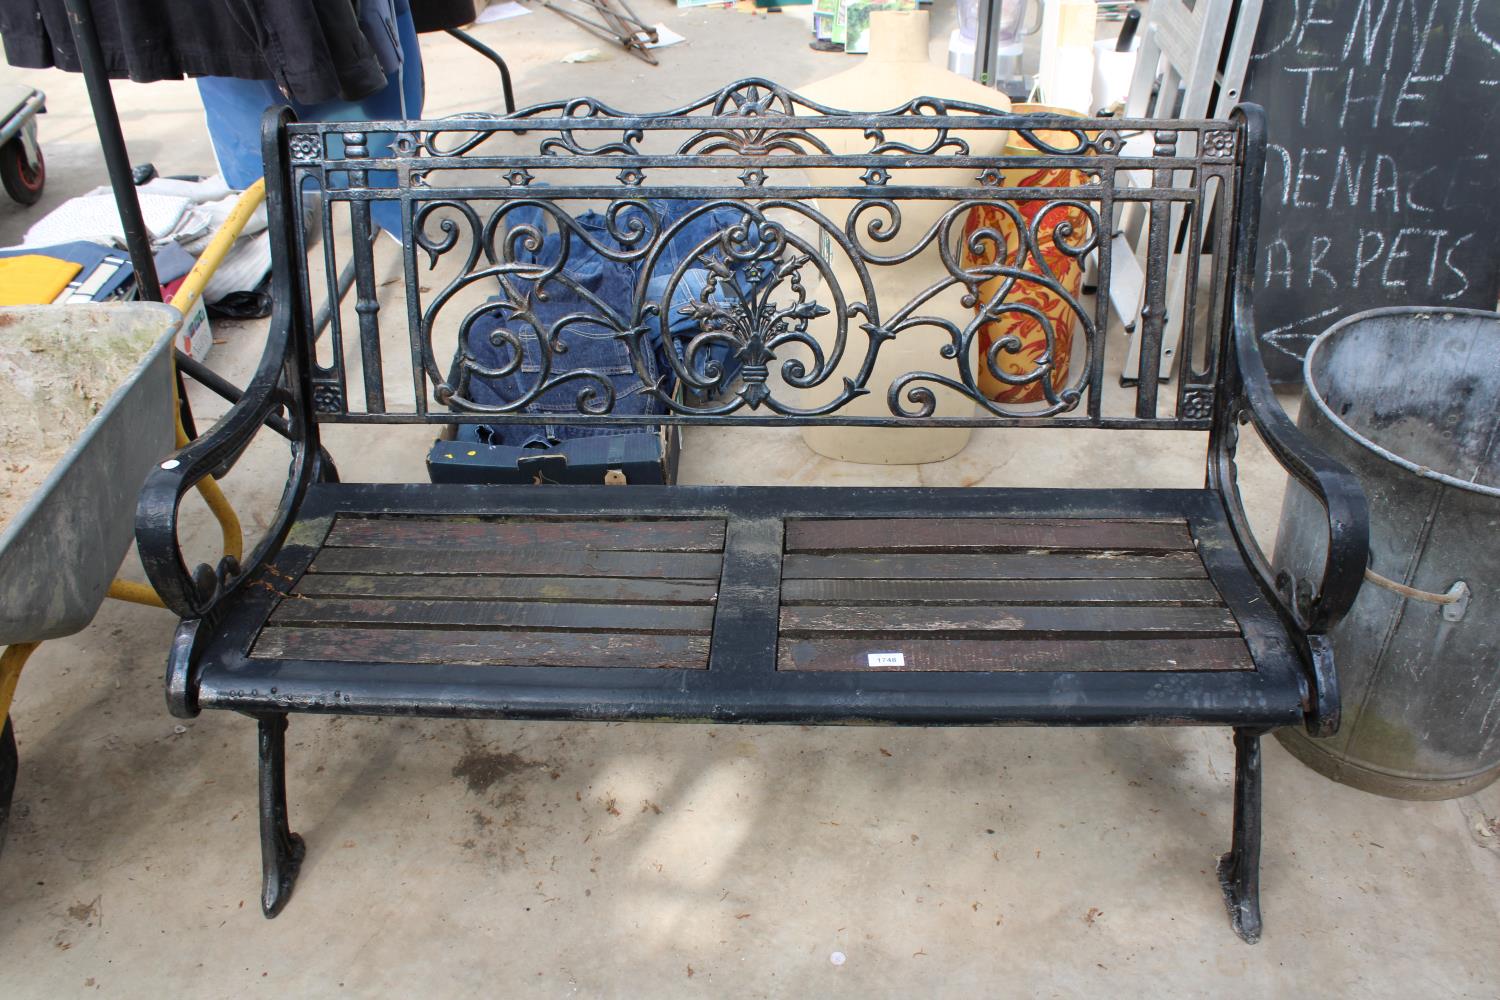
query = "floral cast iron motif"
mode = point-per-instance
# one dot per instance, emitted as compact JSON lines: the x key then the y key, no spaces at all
{"x":305,"y":147}
{"x":1219,"y":143}
{"x":327,"y":399}
{"x":753,"y":325}
{"x":1198,"y":402}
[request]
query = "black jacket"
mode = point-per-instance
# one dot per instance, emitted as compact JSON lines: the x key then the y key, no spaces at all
{"x":436,"y":15}
{"x":313,"y":49}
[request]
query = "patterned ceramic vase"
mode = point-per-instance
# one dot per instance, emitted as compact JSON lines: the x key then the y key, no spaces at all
{"x":1068,"y":271}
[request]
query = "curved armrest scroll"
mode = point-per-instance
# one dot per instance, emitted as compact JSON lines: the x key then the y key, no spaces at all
{"x":1315,"y":606}
{"x":189,"y":594}
{"x":1318,"y":605}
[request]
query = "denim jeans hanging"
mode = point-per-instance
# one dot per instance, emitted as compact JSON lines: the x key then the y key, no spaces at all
{"x":599,"y":294}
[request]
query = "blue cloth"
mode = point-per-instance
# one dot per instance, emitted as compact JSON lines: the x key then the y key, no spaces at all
{"x":234,"y":109}
{"x":597,"y":294}
{"x":91,"y":256}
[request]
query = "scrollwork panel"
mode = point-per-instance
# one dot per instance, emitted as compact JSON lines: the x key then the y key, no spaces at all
{"x":719,"y":306}
{"x":755,"y":253}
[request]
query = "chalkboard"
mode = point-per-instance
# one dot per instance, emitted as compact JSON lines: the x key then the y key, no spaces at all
{"x":1383,"y":174}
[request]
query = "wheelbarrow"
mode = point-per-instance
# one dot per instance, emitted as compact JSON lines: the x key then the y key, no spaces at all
{"x":59,"y":551}
{"x":23,"y":172}
{"x":67,"y":529}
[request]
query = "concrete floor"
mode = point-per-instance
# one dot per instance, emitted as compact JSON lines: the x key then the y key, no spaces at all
{"x":451,"y":859}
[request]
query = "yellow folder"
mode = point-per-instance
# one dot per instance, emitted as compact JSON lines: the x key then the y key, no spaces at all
{"x":34,"y":279}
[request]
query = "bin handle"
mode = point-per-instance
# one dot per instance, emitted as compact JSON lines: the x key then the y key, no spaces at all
{"x":1455,"y":601}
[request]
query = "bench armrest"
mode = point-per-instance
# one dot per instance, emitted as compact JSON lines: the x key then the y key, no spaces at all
{"x":268,"y":399}
{"x":278,"y":395}
{"x":1316,"y":606}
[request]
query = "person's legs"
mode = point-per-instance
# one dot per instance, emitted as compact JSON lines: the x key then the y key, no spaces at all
{"x":234,"y":109}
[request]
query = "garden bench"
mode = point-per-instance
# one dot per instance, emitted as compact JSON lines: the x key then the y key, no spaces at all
{"x":768,"y":604}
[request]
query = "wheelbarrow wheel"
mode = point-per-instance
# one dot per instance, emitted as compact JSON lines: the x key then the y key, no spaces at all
{"x":22,"y":181}
{"x":8,"y":768}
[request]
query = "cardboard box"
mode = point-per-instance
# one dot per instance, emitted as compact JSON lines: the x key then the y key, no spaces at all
{"x":194,"y":338}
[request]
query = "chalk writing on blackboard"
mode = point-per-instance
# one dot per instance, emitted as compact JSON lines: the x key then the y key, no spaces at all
{"x":1380,"y":175}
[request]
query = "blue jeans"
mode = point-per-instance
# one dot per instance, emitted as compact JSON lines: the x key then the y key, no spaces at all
{"x":596,"y":294}
{"x":234,"y":108}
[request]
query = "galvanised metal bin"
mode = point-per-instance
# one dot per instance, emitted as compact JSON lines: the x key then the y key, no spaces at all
{"x":1409,"y":399}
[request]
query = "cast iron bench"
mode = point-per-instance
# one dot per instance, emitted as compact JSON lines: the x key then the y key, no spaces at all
{"x":766,"y":604}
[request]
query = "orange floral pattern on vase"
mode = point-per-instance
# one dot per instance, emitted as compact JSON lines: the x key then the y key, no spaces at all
{"x":1026,"y":328}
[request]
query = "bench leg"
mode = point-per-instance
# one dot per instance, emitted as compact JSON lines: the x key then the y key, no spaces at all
{"x":281,"y":850}
{"x":1239,"y":870}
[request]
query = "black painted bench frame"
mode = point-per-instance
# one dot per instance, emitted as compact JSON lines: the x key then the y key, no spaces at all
{"x":242,"y":628}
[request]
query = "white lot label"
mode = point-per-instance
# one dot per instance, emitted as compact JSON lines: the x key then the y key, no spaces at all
{"x":887,"y":660}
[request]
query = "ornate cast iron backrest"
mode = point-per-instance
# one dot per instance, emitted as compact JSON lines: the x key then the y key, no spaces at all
{"x":769,"y":265}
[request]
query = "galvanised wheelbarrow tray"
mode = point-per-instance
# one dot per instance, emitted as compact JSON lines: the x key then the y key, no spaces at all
{"x":61,"y":548}
{"x":60,"y":551}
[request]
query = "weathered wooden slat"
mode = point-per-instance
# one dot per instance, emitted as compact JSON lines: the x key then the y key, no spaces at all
{"x":1184,"y":654}
{"x":544,"y":561}
{"x":999,"y":566}
{"x":745,"y":623}
{"x":965,"y":621}
{"x":483,"y":648}
{"x":961,"y":534}
{"x":463,"y":534}
{"x":1201,"y":591}
{"x":577,"y":589}
{"x":532,"y":615}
